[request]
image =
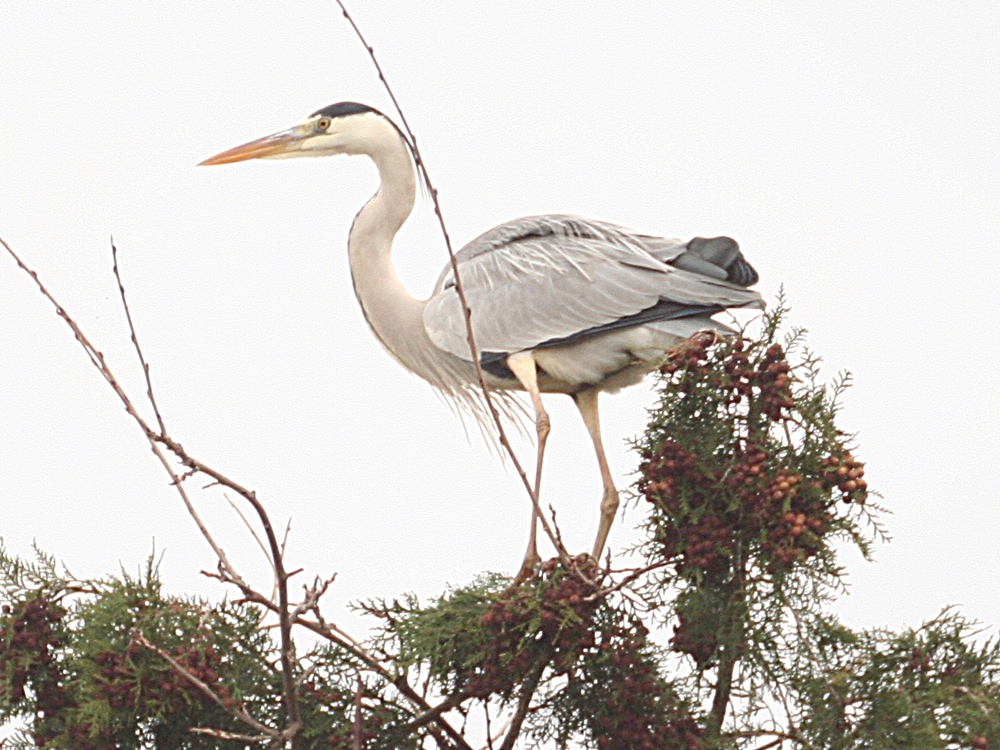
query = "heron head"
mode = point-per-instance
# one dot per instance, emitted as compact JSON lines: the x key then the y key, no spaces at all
{"x":342,"y":128}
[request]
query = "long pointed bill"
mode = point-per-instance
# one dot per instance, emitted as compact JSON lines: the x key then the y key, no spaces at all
{"x":275,"y":145}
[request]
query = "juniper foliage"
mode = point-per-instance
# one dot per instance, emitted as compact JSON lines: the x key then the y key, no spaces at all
{"x":718,"y":637}
{"x":74,"y":677}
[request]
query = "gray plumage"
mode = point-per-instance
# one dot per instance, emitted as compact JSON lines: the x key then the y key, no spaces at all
{"x":559,"y":303}
{"x":543,"y":281}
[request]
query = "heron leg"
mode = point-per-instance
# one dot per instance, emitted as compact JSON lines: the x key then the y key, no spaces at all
{"x":586,"y":402}
{"x":523,"y":365}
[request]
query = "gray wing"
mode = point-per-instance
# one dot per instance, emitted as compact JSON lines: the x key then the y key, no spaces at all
{"x":543,"y":279}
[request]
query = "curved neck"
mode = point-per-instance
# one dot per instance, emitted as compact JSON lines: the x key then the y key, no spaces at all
{"x":395,"y":317}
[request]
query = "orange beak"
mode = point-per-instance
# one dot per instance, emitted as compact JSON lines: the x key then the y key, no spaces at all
{"x":270,"y":146}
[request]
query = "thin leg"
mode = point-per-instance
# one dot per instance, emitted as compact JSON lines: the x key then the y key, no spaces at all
{"x":525,"y":370}
{"x":586,"y":402}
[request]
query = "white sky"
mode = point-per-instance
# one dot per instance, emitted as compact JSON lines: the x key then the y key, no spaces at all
{"x":850,"y":147}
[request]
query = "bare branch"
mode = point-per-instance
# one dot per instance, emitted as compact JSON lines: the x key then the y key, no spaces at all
{"x":637,"y":573}
{"x":287,"y":646}
{"x":250,"y":528}
{"x":155,"y":439}
{"x":528,"y":688}
{"x":231,"y":709}
{"x":223,"y":735}
{"x":452,"y":701}
{"x":95,"y":355}
{"x":97,"y":359}
{"x":135,"y":339}
{"x":460,"y":290}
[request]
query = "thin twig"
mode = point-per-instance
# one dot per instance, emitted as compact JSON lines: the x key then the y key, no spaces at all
{"x":312,"y":595}
{"x":779,"y":737}
{"x":135,"y":339}
{"x":236,"y":713}
{"x":638,"y":573}
{"x":250,"y":528}
{"x":161,"y":438}
{"x":224,"y":735}
{"x":97,"y":359}
{"x":460,"y":290}
{"x":489,"y":731}
{"x":452,"y":701}
{"x":287,"y":647}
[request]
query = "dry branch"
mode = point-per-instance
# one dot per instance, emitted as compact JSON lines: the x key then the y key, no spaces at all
{"x":460,"y":289}
{"x":232,"y":710}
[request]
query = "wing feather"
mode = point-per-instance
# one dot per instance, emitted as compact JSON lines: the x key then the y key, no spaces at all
{"x":542,"y":279}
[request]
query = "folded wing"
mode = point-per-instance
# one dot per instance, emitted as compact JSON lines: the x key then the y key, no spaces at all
{"x":544,"y":280}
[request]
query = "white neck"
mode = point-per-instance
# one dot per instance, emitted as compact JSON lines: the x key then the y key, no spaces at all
{"x":395,"y":317}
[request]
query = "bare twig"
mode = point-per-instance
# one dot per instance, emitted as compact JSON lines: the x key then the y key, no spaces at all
{"x":460,"y":290}
{"x":312,"y":595}
{"x":232,"y":710}
{"x":773,"y":743}
{"x":97,"y":359}
{"x":779,"y":737}
{"x":162,"y":438}
{"x":452,"y":701}
{"x":490,"y":736}
{"x":618,"y":586}
{"x":287,"y":646}
{"x":250,"y":528}
{"x":135,"y":339}
{"x":224,"y":735}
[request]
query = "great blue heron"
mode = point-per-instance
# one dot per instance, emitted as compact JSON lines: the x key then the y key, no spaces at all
{"x":559,"y":304}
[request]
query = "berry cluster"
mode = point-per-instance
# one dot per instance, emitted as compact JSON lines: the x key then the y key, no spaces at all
{"x":730,"y":481}
{"x":767,"y":380}
{"x":325,"y":699}
{"x":773,"y":381}
{"x":634,"y":707}
{"x":667,"y":480}
{"x":28,"y":644}
{"x":690,"y":356}
{"x":546,"y":619}
{"x":697,"y":636}
{"x":845,"y":473}
{"x":31,"y":636}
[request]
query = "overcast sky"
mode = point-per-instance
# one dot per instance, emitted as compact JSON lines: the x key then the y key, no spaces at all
{"x":850,"y":147}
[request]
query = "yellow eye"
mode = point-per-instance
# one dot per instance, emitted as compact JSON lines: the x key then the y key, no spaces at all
{"x":323,"y":123}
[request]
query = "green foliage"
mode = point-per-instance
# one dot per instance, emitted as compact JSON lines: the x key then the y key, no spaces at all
{"x":486,"y":639}
{"x":558,"y":636}
{"x":926,"y":689}
{"x":448,"y":637}
{"x":73,"y":671}
{"x":719,"y":639}
{"x":617,"y":695}
{"x":743,"y":464}
{"x":748,"y":481}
